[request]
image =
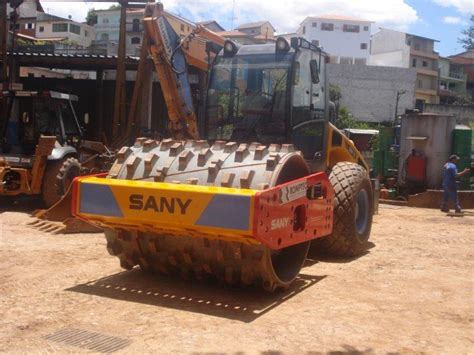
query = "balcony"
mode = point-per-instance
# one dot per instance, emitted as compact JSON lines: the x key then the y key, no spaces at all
{"x":431,"y":55}
{"x":458,"y":76}
{"x":427,"y":71}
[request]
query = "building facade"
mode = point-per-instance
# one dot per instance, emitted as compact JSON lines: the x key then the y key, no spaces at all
{"x":465,"y":60}
{"x":254,"y":29}
{"x":452,"y":80}
{"x":107,"y":29}
{"x":347,"y":40}
{"x":404,"y":50}
{"x":54,"y":27}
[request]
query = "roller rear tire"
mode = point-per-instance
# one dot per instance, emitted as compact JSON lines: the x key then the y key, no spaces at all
{"x":353,"y":211}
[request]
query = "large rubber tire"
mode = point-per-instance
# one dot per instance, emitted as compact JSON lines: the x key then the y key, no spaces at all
{"x":55,"y":176}
{"x":353,"y":212}
{"x":70,"y":169}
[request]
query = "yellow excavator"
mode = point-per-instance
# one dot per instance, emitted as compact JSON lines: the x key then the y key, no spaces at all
{"x":240,"y":194}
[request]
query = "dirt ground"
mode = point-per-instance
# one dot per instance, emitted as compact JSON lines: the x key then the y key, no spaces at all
{"x":413,"y":292}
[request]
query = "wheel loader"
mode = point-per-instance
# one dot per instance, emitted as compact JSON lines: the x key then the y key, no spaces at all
{"x":241,"y":194}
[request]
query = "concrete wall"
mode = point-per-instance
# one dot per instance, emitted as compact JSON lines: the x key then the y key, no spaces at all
{"x":463,"y":114}
{"x":338,"y":43}
{"x":370,"y":92}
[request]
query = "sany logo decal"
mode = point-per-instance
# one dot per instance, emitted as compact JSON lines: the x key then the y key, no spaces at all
{"x":280,"y":223}
{"x":293,"y":191}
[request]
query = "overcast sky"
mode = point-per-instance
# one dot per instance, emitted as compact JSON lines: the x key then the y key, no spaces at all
{"x":439,"y":19}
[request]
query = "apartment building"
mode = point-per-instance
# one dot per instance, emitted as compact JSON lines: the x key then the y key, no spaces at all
{"x":452,"y":80}
{"x":465,"y":60}
{"x":107,"y":29}
{"x":404,"y":50}
{"x":54,"y":27}
{"x":27,"y":13}
{"x":261,"y":29}
{"x":346,"y":39}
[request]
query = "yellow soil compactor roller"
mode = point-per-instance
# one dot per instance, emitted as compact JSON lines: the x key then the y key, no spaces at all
{"x":228,"y":207}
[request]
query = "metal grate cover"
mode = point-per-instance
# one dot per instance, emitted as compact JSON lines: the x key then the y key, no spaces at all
{"x":88,"y":340}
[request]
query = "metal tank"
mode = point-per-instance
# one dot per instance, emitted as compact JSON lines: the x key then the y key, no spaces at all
{"x":430,"y":134}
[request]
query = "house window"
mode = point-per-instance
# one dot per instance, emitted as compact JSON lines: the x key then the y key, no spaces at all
{"x":425,"y":63}
{"x":314,"y":24}
{"x":413,"y":62}
{"x":135,"y":40}
{"x":105,"y":20}
{"x":16,"y":26}
{"x":189,"y":30}
{"x":420,"y":84}
{"x":417,"y":46}
{"x":30,"y":26}
{"x":136,"y":25}
{"x":351,"y":28}
{"x":41,"y":28}
{"x":327,"y":26}
{"x":363,"y":46}
{"x":86,"y":33}
{"x":304,"y":29}
{"x":315,"y":42}
{"x":181,"y":27}
{"x":59,"y":27}
{"x":104,"y":36}
{"x":75,"y":29}
{"x":366,"y":28}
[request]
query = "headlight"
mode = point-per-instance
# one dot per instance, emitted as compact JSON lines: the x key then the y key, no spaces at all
{"x":282,"y":45}
{"x":230,"y":48}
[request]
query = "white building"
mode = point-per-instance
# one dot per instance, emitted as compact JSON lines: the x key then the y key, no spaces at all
{"x":404,"y":50}
{"x":54,"y":27}
{"x":346,"y":39}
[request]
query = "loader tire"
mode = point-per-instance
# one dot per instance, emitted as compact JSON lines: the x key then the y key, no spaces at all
{"x":353,"y":211}
{"x":50,"y":190}
{"x":70,"y":169}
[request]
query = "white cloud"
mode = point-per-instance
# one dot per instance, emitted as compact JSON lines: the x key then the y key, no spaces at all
{"x":462,"y":6}
{"x":452,"y":20}
{"x":283,"y":14}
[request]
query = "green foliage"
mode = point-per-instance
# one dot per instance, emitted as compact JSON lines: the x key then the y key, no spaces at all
{"x":115,"y":7}
{"x":346,"y":120}
{"x":335,"y":93}
{"x":467,"y":40}
{"x":91,"y":18}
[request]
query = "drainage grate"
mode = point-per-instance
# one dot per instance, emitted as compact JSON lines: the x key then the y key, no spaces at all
{"x":88,"y":340}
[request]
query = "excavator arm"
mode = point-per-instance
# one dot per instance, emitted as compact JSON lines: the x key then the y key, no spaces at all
{"x":171,"y":56}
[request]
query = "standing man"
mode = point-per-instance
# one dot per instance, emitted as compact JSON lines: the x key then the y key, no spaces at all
{"x":450,"y":173}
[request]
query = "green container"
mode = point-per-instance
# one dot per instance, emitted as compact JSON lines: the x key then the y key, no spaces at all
{"x":390,"y":163}
{"x":385,"y":138}
{"x":465,"y":181}
{"x":377,"y":163}
{"x":462,"y":141}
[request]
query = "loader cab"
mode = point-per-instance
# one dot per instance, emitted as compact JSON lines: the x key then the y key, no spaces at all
{"x":33,"y":114}
{"x":269,"y":93}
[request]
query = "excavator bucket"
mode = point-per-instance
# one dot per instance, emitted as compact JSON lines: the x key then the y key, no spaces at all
{"x":239,"y":213}
{"x":58,"y":219}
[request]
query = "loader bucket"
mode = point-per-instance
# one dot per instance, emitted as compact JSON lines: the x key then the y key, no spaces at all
{"x":244,"y":214}
{"x":58,"y":218}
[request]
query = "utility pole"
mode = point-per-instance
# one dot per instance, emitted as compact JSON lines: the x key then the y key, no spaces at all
{"x":399,"y":94}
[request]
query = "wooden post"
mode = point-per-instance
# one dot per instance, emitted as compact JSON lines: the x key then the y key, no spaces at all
{"x":120,"y":97}
{"x":99,"y":106}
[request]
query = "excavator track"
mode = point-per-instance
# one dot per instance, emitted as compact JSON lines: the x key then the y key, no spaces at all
{"x":247,"y":166}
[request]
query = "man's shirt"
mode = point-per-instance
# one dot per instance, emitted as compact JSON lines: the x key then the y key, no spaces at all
{"x":449,"y":175}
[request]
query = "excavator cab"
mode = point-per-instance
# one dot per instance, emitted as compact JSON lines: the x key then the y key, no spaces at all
{"x":269,"y":93}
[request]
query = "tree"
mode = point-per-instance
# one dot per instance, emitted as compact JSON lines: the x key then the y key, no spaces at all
{"x":467,"y":40}
{"x":91,"y":18}
{"x":115,"y":7}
